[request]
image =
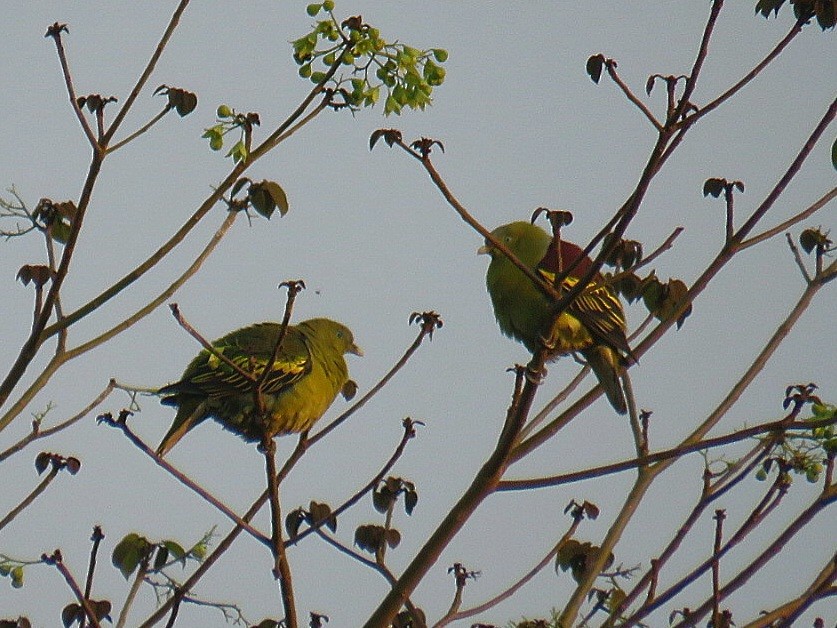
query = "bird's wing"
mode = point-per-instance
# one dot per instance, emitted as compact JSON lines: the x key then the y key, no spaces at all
{"x":251,"y":350}
{"x":597,"y":308}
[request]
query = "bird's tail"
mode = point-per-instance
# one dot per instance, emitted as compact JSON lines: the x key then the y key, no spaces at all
{"x":188,"y":415}
{"x":606,"y":364}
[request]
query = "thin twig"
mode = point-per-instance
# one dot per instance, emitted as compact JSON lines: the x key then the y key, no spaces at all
{"x":409,"y":433}
{"x":146,"y":74}
{"x":293,"y":289}
{"x":611,"y":70}
{"x":666,"y":454}
{"x":184,"y":479}
{"x":14,"y":512}
{"x":694,"y":117}
{"x":38,"y":433}
{"x":380,"y":568}
{"x":798,"y":258}
{"x":55,"y":32}
{"x":514,"y":588}
{"x":692,"y":79}
{"x":58,"y":360}
{"x":553,"y":403}
{"x":766,"y":505}
{"x":139,"y":578}
{"x":784,"y":615}
{"x":790,"y":222}
{"x":281,"y":567}
{"x":709,"y":494}
{"x":720,"y":515}
{"x":145,"y":127}
{"x":207,"y":346}
{"x":825,"y":499}
{"x":482,"y":485}
{"x":57,"y":560}
{"x":96,"y":538}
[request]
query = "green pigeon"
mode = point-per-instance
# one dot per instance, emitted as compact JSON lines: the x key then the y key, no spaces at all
{"x":592,"y":325}
{"x":306,"y":376}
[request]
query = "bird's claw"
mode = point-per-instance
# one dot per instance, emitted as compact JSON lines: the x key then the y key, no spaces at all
{"x":535,"y":377}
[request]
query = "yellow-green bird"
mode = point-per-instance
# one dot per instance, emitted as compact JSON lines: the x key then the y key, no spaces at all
{"x":304,"y":379}
{"x":592,"y":325}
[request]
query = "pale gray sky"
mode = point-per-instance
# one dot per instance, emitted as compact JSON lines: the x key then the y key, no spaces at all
{"x":523,"y":126}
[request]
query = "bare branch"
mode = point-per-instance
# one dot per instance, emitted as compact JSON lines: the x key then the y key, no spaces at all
{"x":790,"y":222}
{"x":610,"y":64}
{"x":146,"y":74}
{"x":31,"y":497}
{"x":38,"y":433}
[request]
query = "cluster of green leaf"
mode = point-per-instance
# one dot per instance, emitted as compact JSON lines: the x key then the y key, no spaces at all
{"x":263,"y":196}
{"x":228,"y":119}
{"x":12,"y":569}
{"x":824,"y":10}
{"x":816,"y":240}
{"x":408,"y":75}
{"x":804,"y":453}
{"x":56,"y":219}
{"x":135,"y":550}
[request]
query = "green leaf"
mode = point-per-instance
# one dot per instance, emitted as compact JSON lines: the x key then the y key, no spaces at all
{"x":410,"y":501}
{"x":277,"y":194}
{"x":224,"y":111}
{"x":262,"y":202}
{"x":161,"y":558}
{"x":440,"y":54}
{"x":42,"y":461}
{"x":313,"y":9}
{"x":128,"y":553}
{"x":238,"y":152}
{"x":328,"y":5}
{"x":61,"y":231}
{"x":17,"y":576}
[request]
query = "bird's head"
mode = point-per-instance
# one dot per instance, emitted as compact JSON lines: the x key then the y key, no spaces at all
{"x":527,"y":241}
{"x":332,"y":334}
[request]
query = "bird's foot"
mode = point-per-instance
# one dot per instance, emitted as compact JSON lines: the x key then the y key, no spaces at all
{"x":535,"y":377}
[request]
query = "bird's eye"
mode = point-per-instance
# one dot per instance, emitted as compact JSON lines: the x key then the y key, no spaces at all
{"x":339,"y":334}
{"x":507,"y":239}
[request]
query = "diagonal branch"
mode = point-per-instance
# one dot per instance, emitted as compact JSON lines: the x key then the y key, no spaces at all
{"x":146,"y":74}
{"x":790,"y":222}
{"x":55,"y":32}
{"x":38,"y":433}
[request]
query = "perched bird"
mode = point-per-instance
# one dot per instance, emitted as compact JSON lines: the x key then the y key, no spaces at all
{"x":592,"y":325}
{"x":308,"y":372}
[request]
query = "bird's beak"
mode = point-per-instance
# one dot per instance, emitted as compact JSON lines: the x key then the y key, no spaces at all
{"x":485,"y":249}
{"x":356,"y":350}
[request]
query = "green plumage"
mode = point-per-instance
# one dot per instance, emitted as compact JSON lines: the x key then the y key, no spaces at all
{"x":592,"y":325}
{"x":307,"y":374}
